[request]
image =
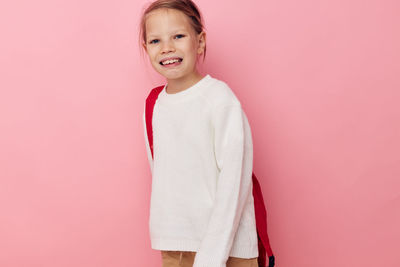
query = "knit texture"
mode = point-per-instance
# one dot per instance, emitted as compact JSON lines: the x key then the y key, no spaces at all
{"x":201,"y":197}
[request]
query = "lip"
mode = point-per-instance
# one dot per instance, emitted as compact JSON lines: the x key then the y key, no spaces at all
{"x":168,"y":58}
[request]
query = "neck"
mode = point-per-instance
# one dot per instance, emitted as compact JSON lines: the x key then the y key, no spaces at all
{"x":178,"y":85}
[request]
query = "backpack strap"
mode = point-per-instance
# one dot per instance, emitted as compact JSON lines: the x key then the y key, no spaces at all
{"x":150,"y":102}
{"x":264,"y":246}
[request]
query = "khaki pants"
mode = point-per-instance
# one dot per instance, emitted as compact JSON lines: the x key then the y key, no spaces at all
{"x":186,"y":259}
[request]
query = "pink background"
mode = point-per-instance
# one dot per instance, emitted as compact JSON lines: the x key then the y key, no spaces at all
{"x":319,"y":82}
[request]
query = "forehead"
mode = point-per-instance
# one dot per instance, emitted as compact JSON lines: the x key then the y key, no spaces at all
{"x":161,"y":21}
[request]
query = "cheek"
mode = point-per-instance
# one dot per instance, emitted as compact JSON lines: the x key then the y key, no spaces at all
{"x":152,"y":54}
{"x":189,"y":49}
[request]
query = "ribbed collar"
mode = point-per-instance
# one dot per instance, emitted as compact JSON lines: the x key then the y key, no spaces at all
{"x":184,"y":94}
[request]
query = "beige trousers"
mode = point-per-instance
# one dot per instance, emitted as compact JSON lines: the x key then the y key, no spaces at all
{"x":186,"y":259}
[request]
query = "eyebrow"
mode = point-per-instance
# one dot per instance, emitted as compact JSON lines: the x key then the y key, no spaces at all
{"x":155,"y":35}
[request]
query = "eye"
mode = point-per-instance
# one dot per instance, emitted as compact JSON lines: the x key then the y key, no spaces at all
{"x":180,"y":36}
{"x":153,"y":41}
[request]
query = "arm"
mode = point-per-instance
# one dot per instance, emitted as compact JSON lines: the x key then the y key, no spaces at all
{"x":233,"y":186}
{"x":149,"y":156}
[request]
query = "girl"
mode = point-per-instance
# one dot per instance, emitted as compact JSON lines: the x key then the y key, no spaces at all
{"x":201,"y":209}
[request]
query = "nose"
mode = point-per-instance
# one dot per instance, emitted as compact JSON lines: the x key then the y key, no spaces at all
{"x":167,"y":47}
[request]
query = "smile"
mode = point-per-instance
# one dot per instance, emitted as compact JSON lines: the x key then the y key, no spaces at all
{"x":173,"y":61}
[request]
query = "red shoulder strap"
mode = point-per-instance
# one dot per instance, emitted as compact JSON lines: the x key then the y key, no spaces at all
{"x":150,"y":102}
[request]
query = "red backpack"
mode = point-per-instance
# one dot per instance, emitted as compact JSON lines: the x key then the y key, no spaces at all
{"x":261,"y":214}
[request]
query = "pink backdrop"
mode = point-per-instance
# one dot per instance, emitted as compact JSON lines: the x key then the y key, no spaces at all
{"x":319,"y":81}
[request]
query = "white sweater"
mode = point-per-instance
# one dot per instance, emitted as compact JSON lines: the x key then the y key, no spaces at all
{"x":201,"y":197}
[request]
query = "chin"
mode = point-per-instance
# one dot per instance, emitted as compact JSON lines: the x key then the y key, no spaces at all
{"x":171,"y":75}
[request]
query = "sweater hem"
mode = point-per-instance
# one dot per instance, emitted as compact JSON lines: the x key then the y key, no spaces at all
{"x":244,"y":251}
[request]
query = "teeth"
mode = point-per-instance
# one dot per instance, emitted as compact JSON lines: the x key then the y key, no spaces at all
{"x":170,"y":61}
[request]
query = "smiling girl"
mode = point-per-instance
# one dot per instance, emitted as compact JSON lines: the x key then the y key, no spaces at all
{"x":202,"y":207}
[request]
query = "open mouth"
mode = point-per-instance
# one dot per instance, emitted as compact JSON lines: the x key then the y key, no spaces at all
{"x":174,"y":61}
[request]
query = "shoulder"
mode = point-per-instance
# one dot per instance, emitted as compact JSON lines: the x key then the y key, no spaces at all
{"x":219,"y":94}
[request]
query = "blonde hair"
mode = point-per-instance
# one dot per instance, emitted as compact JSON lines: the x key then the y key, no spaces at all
{"x":188,"y":7}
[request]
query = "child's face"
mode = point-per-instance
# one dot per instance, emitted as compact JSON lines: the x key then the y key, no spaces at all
{"x":169,"y":34}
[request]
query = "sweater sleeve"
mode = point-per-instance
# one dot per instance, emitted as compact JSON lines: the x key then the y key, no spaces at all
{"x":148,"y":151}
{"x":233,"y":186}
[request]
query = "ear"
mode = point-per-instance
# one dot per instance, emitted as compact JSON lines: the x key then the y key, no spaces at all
{"x":202,"y":42}
{"x":144,"y":46}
